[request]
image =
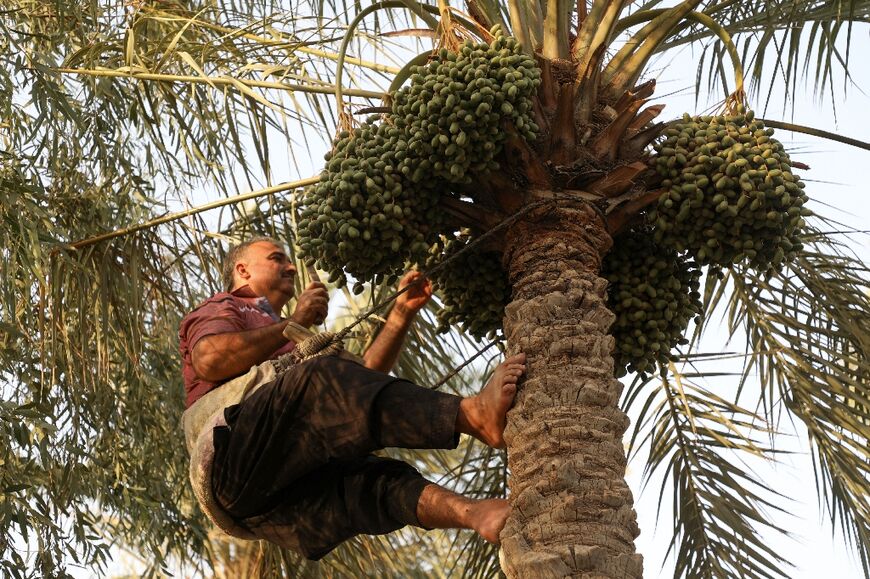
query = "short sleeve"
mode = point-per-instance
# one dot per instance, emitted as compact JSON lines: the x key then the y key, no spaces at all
{"x":213,"y":317}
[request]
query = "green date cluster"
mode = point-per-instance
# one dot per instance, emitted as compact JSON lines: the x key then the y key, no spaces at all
{"x":731,"y":195}
{"x":376,"y":206}
{"x":454,"y":110}
{"x":653,"y":292}
{"x":474,"y":288}
{"x":365,"y":217}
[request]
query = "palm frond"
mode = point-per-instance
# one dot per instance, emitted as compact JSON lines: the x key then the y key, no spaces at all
{"x":721,"y":508}
{"x":809,"y":334}
{"x":783,"y":42}
{"x":96,"y":392}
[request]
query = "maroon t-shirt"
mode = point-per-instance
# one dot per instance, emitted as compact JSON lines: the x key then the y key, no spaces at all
{"x":222,"y":313}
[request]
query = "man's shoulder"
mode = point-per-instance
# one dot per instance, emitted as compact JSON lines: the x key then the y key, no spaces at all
{"x":218,"y":299}
{"x":220,"y":305}
{"x":215,"y":299}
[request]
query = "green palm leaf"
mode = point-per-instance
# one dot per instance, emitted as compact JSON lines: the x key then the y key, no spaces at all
{"x":719,"y":506}
{"x":781,"y":41}
{"x":809,"y":328}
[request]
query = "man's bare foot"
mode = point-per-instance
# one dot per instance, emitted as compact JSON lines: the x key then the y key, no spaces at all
{"x":488,"y":518}
{"x":439,"y":508}
{"x":483,"y":416}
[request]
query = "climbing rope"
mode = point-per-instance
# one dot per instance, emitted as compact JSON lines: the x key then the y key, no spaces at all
{"x":459,"y":368}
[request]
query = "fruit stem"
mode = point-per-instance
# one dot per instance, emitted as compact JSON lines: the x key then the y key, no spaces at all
{"x":415,"y":7}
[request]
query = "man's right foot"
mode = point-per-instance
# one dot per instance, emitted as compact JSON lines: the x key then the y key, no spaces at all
{"x":484,"y":416}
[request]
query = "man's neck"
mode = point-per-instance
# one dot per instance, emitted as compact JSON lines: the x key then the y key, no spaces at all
{"x":276,"y":302}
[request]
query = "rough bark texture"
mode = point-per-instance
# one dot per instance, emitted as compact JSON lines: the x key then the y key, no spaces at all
{"x":573,"y":513}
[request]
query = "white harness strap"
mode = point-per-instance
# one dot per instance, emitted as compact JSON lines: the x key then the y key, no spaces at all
{"x":199,"y":422}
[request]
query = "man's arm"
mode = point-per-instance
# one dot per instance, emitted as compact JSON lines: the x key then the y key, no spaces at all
{"x":221,"y":356}
{"x":384,"y":351}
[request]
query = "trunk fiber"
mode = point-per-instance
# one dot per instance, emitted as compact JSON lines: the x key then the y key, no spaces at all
{"x":573,"y":513}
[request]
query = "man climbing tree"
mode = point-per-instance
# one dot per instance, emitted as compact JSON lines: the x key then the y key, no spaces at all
{"x":607,"y":233}
{"x":291,"y":461}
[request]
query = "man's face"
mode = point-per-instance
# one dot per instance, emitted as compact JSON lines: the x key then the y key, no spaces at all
{"x":267,"y":269}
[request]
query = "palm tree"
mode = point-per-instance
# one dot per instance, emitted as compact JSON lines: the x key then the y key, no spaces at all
{"x":108,"y":106}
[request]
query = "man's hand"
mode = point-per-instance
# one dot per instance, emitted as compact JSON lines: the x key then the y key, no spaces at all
{"x":384,"y":351}
{"x":417,"y":296}
{"x":312,"y":306}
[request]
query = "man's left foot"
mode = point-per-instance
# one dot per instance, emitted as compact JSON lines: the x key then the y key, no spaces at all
{"x":484,"y":416}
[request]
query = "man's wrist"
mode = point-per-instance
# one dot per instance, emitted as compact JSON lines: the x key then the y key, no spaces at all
{"x":404,"y":313}
{"x":282,"y":326}
{"x":301,"y":320}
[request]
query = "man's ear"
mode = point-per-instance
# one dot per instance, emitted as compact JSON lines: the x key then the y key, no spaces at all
{"x":241,"y":271}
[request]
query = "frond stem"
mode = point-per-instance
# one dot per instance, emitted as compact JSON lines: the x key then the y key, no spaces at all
{"x":623,"y":70}
{"x":520,"y":25}
{"x":706,"y":21}
{"x":816,"y":133}
{"x":193,"y":211}
{"x":345,"y":43}
{"x":278,"y":43}
{"x":554,"y":45}
{"x":215,"y":81}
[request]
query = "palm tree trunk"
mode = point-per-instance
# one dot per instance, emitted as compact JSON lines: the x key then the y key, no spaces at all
{"x":573,"y":513}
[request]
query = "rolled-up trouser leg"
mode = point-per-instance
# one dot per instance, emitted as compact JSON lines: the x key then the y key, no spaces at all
{"x":368,"y":495}
{"x":321,"y":411}
{"x":408,"y":416}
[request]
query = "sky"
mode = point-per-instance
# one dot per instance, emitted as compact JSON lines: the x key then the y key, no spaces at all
{"x":837,"y":189}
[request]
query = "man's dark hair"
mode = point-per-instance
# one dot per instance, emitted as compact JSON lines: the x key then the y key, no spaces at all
{"x":235,"y":254}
